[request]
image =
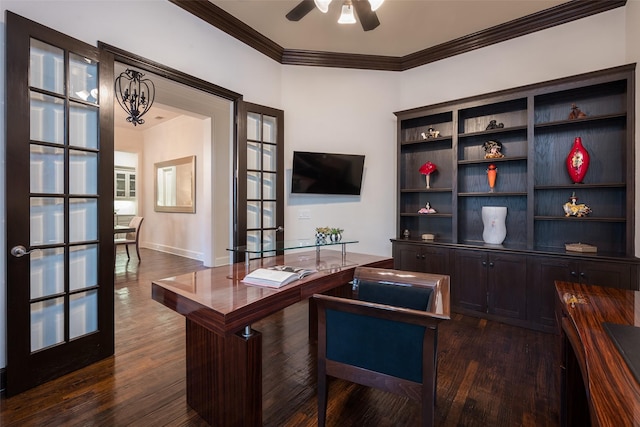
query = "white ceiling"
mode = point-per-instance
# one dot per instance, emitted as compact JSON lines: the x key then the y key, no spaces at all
{"x":406,"y":26}
{"x":157,"y":114}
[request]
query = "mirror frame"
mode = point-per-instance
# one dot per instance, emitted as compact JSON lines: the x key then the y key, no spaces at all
{"x":190,"y":161}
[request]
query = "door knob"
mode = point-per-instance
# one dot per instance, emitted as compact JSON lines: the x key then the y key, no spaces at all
{"x":280,"y":229}
{"x":20,"y":251}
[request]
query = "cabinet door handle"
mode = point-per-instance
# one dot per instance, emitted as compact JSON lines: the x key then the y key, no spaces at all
{"x":484,"y":263}
{"x":582,"y":274}
{"x":491,"y":264}
{"x":574,"y":274}
{"x":423,"y":256}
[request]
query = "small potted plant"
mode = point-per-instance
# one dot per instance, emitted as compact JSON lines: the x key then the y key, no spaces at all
{"x":335,"y":234}
{"x":321,"y":235}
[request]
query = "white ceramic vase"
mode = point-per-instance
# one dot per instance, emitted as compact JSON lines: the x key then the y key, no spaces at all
{"x":493,"y":218}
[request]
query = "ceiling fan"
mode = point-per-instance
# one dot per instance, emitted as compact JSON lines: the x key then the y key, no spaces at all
{"x":364,"y":9}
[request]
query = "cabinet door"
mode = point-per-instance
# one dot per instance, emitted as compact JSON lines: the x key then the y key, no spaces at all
{"x":407,"y":257}
{"x":435,"y":260}
{"x":506,"y":286}
{"x":605,"y":274}
{"x":422,"y":258}
{"x":469,"y":281}
{"x":121,"y":185}
{"x":125,"y":184}
{"x":543,"y":272}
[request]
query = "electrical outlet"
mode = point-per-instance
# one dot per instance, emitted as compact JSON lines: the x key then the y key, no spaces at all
{"x":304,"y":214}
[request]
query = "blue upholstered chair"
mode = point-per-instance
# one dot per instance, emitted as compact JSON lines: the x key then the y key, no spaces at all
{"x":386,"y":337}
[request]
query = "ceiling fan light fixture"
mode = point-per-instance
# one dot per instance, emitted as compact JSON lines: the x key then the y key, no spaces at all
{"x":322,"y":5}
{"x":375,"y":4}
{"x":347,"y":17}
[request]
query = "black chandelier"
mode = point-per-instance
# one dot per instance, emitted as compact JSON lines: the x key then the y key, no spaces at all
{"x":130,"y":89}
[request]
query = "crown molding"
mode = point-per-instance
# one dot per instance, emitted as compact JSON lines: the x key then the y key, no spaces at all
{"x":340,"y":60}
{"x":542,"y":20}
{"x":231,"y":25}
{"x":548,"y":18}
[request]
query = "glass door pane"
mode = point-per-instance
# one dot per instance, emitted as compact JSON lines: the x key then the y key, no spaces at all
{"x":63,"y":165}
{"x":47,"y":272}
{"x":262,"y":190}
{"x":46,"y":169}
{"x":47,"y":118}
{"x":46,"y":69}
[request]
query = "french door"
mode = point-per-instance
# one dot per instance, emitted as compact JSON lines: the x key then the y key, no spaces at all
{"x":59,"y":204}
{"x":259,"y":207}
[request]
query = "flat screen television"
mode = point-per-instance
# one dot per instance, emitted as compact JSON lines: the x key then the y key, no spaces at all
{"x":326,"y":173}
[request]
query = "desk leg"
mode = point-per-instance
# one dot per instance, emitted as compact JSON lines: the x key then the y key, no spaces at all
{"x":574,"y":404}
{"x":224,"y":376}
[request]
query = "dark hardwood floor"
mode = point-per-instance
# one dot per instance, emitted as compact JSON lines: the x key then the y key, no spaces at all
{"x":490,"y":374}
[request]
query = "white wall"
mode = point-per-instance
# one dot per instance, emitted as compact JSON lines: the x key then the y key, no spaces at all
{"x":176,"y":233}
{"x":330,"y":109}
{"x":350,"y":112}
{"x":581,"y":46}
{"x":127,"y":140}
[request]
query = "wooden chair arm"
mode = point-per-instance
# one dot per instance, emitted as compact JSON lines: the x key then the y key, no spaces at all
{"x":438,"y":282}
{"x":381,"y":311}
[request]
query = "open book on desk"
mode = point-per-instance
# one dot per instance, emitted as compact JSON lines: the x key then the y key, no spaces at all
{"x":276,"y":276}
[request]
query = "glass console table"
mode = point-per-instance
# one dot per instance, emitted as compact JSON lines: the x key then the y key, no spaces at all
{"x":287,"y":245}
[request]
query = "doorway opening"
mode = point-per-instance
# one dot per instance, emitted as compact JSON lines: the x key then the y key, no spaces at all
{"x":183,"y":121}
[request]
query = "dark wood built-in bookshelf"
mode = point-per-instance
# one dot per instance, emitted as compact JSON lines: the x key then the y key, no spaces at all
{"x":514,"y":281}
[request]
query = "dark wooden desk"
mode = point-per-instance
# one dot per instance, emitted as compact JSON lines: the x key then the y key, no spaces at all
{"x":597,"y":385}
{"x":223,"y":353}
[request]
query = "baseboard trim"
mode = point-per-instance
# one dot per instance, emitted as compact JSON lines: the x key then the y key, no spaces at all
{"x":226,"y":260}
{"x":199,"y":256}
{"x":174,"y":251}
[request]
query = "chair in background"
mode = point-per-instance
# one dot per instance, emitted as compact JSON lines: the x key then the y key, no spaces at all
{"x":131,"y":237}
{"x":386,"y":338}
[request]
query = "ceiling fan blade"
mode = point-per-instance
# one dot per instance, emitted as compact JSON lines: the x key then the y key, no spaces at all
{"x":301,"y":10}
{"x":368,"y":19}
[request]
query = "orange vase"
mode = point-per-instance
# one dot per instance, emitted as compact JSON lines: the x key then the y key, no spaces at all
{"x":492,"y":172}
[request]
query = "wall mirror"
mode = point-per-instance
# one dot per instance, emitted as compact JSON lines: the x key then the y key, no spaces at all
{"x":175,"y":185}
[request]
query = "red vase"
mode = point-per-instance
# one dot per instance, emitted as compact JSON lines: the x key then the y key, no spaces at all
{"x":577,"y":161}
